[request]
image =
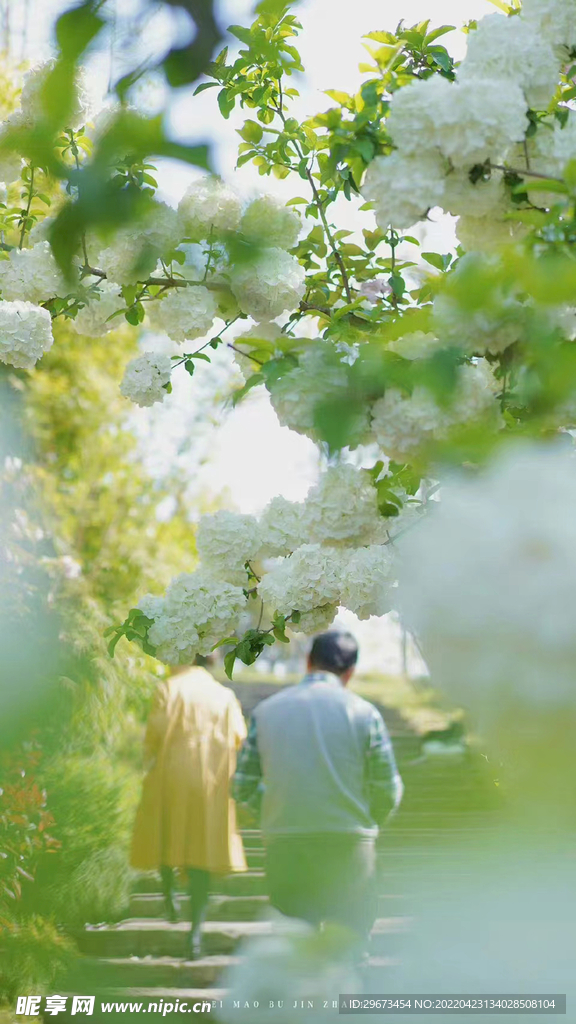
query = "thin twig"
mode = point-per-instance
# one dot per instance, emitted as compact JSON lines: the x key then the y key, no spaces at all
{"x":525,"y":172}
{"x":27,"y":212}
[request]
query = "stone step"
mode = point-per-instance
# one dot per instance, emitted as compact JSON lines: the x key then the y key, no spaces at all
{"x":242,"y":883}
{"x":94,"y":975}
{"x":227,"y":908}
{"x":220,"y":908}
{"x":143,"y":938}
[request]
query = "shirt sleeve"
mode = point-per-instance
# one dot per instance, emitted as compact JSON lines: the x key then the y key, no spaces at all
{"x":247,"y":785}
{"x":384,"y":784}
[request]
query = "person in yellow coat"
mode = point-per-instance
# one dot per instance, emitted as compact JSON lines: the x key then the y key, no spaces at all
{"x":186,"y":818}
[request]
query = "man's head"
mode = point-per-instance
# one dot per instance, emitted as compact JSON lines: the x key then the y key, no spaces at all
{"x":335,"y":652}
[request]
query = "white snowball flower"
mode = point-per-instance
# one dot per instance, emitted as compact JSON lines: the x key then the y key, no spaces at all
{"x":282,"y":527}
{"x":209,"y":206}
{"x":488,"y":581}
{"x":41,"y":230}
{"x":185,"y":313}
{"x":316,"y":620}
{"x":195,"y":613}
{"x":404,"y":423}
{"x":342,"y":506}
{"x":32,"y":275}
{"x":92,"y":320}
{"x":134,"y":250}
{"x":225,"y":542}
{"x":126,"y":259}
{"x":25,"y":333}
{"x":145,"y":377}
{"x":318,"y":378}
{"x":483,"y":198}
{"x":10,"y":164}
{"x":470,"y":122}
{"x":552,"y":148}
{"x":367,"y":580}
{"x":554,"y":21}
{"x":259,"y":336}
{"x":511,"y":48}
{"x":475,"y":395}
{"x":269,"y":285}
{"x":487,"y":234}
{"x":403,"y":188}
{"x":268,"y":221}
{"x":32,"y":101}
{"x":306,"y":580}
{"x":490,"y":327}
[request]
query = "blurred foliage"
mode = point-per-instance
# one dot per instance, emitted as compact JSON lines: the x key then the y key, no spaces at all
{"x":81,"y":537}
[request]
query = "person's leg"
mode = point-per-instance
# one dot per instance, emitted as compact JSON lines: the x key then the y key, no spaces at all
{"x":170,"y":902}
{"x":199,"y":890}
{"x":350,"y":884}
{"x":289,"y":878}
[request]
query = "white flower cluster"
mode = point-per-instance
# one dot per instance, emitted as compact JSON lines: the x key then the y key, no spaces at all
{"x":404,"y":423}
{"x":308,"y":579}
{"x":225,"y":542}
{"x":402,"y":188}
{"x":25,"y":333}
{"x":512,"y":49}
{"x":319,"y":378}
{"x":263,"y":335}
{"x":31,"y":275}
{"x":269,"y":285}
{"x":281,"y":528}
{"x":145,"y":378}
{"x":315,"y":579}
{"x":488,"y":581}
{"x":185,"y":313}
{"x":32,"y":100}
{"x":553,"y":21}
{"x":209,"y":206}
{"x":93,"y":319}
{"x":320,"y":561}
{"x":342,"y":507}
{"x":197,"y":611}
{"x":267,"y":221}
{"x":134,"y":250}
{"x":442,"y":129}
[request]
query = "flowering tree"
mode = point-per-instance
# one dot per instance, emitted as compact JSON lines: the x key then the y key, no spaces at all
{"x":423,"y":359}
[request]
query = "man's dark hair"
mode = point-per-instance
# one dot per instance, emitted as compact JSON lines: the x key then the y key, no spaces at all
{"x":335,"y":652}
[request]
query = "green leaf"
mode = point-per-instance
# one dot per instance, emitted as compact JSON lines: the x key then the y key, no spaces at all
{"x":229,"y":660}
{"x":76,"y":28}
{"x":203,"y":86}
{"x":441,"y":57}
{"x":435,"y":259}
{"x":437,"y":32}
{"x":251,"y":132}
{"x":252,"y":382}
{"x":540,"y":185}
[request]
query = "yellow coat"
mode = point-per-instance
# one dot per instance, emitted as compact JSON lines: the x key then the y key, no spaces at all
{"x":186,"y":817}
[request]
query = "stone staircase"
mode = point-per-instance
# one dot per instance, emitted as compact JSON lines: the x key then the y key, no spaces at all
{"x":143,"y":957}
{"x":448,"y":801}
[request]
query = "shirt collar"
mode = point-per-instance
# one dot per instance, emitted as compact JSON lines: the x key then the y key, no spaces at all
{"x":322,"y":677}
